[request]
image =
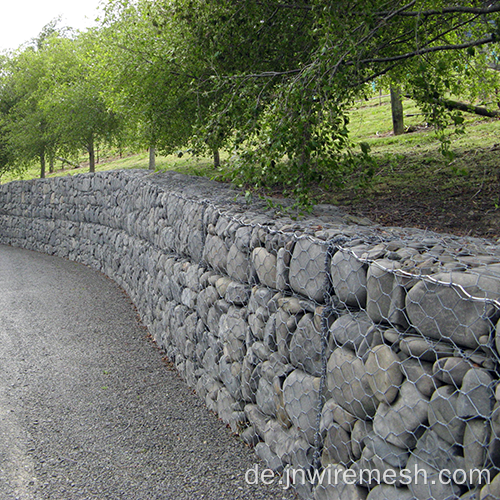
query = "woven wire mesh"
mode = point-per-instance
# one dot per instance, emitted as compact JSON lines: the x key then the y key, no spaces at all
{"x":341,"y":354}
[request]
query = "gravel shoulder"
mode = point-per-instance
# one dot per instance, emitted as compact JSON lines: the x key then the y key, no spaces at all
{"x":88,"y":409}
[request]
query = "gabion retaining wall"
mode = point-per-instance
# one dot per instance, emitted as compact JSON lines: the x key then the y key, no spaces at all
{"x":359,"y":361}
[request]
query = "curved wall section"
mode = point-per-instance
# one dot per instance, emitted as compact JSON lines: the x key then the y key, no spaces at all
{"x":367,"y":354}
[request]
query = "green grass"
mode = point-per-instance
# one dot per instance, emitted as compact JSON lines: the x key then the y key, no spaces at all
{"x":111,"y":160}
{"x":371,"y":122}
{"x":413,"y":161}
{"x":412,"y":183}
{"x":410,"y":162}
{"x":419,"y":150}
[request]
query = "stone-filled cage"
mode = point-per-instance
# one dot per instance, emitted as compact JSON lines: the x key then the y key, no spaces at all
{"x":358,"y":361}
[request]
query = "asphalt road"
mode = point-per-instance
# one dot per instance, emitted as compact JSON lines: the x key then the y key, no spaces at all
{"x":88,"y":409}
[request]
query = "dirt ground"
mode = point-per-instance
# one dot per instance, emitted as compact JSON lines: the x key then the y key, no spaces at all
{"x":462,"y":198}
{"x":465,"y":213}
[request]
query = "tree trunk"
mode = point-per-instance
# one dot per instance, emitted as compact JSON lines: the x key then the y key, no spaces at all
{"x":469,"y":108}
{"x":305,"y":151}
{"x":90,"y":149}
{"x":64,"y":161}
{"x":398,"y":125}
{"x":42,"y":164}
{"x":51,"y":165}
{"x":216,"y":158}
{"x":152,"y":158}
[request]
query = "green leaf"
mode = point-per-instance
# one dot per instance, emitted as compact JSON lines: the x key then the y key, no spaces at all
{"x":365,"y":147}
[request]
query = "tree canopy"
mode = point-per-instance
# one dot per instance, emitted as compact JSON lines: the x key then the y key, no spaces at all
{"x":270,"y":81}
{"x":51,"y":102}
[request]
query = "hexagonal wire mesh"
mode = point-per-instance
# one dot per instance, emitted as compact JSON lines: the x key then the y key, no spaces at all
{"x":357,"y":365}
{"x":358,"y":362}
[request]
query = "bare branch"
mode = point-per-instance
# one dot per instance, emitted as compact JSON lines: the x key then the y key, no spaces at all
{"x":456,"y":9}
{"x":428,"y":50}
{"x":267,"y":74}
{"x":452,"y":28}
{"x":289,"y":6}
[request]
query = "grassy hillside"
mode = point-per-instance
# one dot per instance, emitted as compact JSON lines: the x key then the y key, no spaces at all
{"x":415,"y":185}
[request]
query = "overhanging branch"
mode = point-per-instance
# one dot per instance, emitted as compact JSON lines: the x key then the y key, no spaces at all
{"x":428,"y":50}
{"x":456,"y":9}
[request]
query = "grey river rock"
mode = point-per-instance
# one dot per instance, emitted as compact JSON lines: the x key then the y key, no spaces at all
{"x":88,"y":409}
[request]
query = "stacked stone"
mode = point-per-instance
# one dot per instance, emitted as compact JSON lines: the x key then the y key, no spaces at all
{"x":338,"y":348}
